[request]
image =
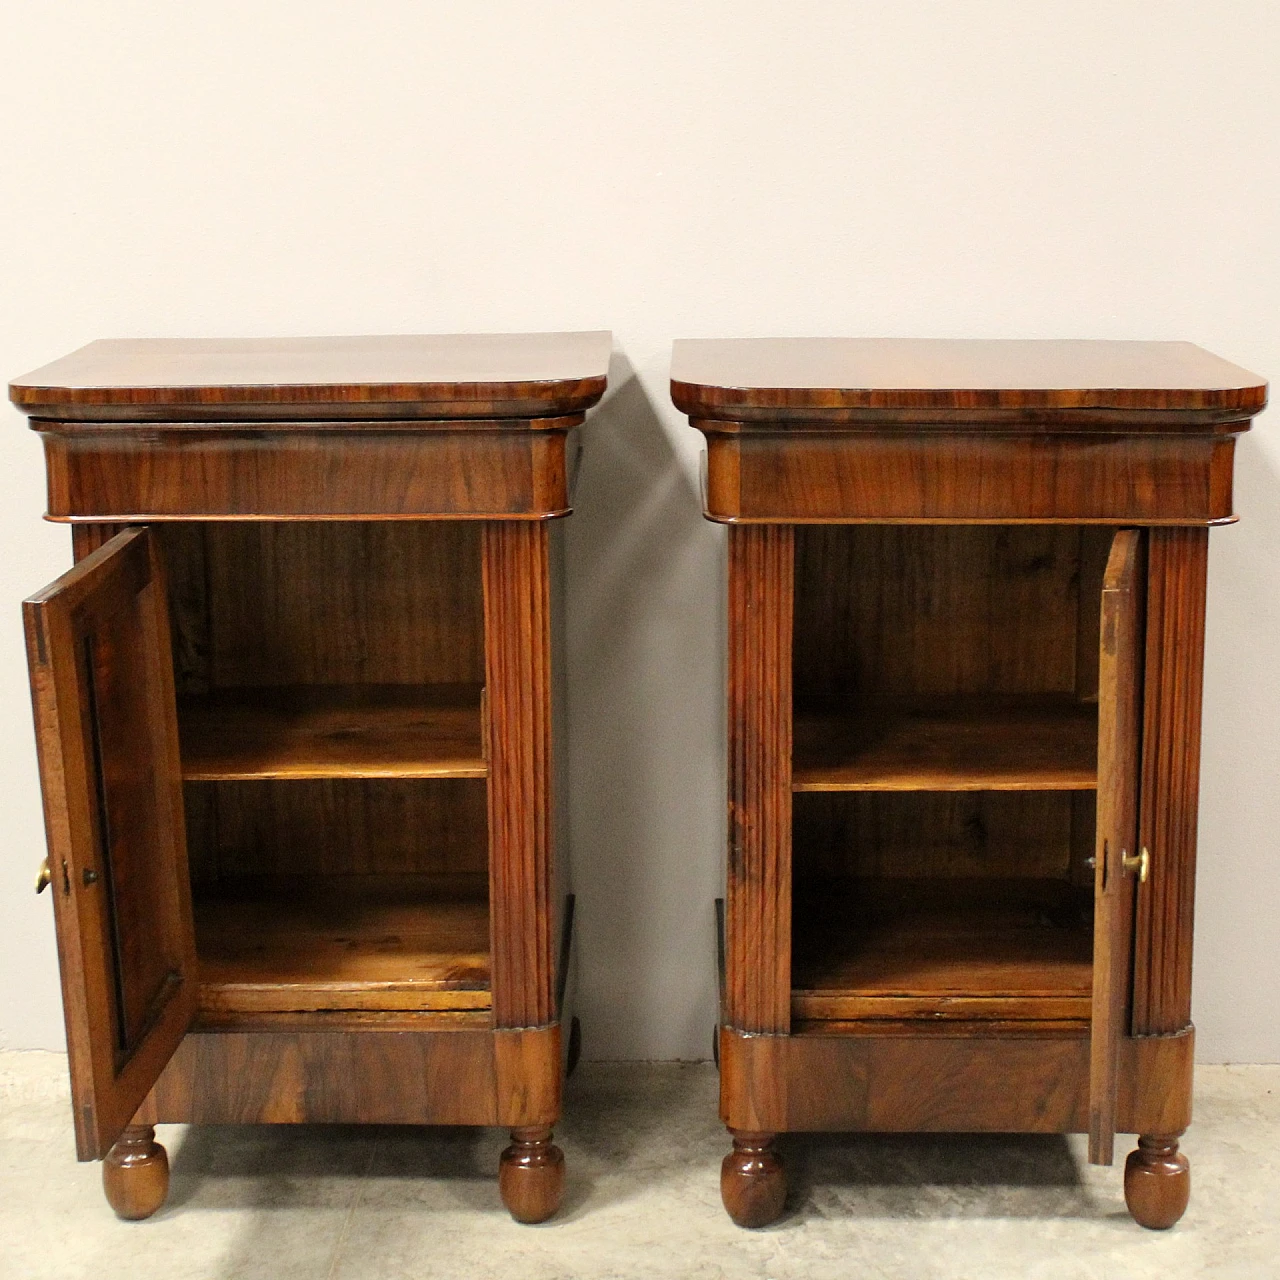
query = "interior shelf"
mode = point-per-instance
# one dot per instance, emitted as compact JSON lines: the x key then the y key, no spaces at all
{"x":956,"y":744}
{"x":350,"y":942}
{"x":334,"y":731}
{"x":996,"y":948}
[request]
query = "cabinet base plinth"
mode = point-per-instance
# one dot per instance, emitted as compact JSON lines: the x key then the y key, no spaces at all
{"x":135,"y":1174}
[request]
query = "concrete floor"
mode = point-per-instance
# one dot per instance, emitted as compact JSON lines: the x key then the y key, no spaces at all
{"x":643,"y":1148}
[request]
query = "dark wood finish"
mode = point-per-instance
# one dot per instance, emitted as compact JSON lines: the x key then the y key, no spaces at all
{"x":317,"y":1076}
{"x":903,"y":474}
{"x":837,"y":379}
{"x":1011,"y":835}
{"x":926,"y":615}
{"x":360,"y":1069}
{"x":431,"y":376}
{"x":982,"y":745}
{"x":913,"y":431}
{"x":106,"y":735}
{"x":336,"y":827}
{"x":959,"y":949}
{"x":1157,"y":1182}
{"x":1172,"y":691}
{"x":334,"y":731}
{"x":135,"y":1174}
{"x":531,"y":1175}
{"x":936,"y":1077}
{"x":753,"y":1185}
{"x":518,"y":679}
{"x":758,"y":901}
{"x":381,"y":602}
{"x":344,"y":942}
{"x":528,"y":1062}
{"x":87,"y":538}
{"x":1119,"y":729}
{"x":356,"y":639}
{"x":988,"y":732}
{"x":245,"y":471}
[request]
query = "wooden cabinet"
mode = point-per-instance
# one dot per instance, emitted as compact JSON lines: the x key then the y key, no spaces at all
{"x":295,"y":708}
{"x":966,"y":631}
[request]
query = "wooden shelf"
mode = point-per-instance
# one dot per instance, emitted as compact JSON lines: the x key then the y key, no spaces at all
{"x":334,"y":731}
{"x":406,"y":943}
{"x":969,"y":949}
{"x":1046,"y":744}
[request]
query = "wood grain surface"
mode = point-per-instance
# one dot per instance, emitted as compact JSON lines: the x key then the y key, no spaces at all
{"x":107,"y":741}
{"x":343,"y":942}
{"x":1177,"y":576}
{"x":975,"y":477}
{"x":785,"y":376}
{"x":453,"y":470}
{"x":758,"y":898}
{"x":518,"y":677}
{"x":938,"y":1077}
{"x":426,"y":376}
{"x":938,"y":948}
{"x":1045,"y":744}
{"x":1119,"y":735}
{"x":334,"y":731}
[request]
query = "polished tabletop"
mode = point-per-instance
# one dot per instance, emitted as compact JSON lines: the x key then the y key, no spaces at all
{"x":499,"y":375}
{"x":715,"y":377}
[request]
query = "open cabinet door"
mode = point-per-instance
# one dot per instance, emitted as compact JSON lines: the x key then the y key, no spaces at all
{"x":107,"y":738}
{"x":1117,"y":862}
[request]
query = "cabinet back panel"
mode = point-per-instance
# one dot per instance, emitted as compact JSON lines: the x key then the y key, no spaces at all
{"x":342,"y":827}
{"x":920,"y":610}
{"x":325,"y":602}
{"x":934,"y":833}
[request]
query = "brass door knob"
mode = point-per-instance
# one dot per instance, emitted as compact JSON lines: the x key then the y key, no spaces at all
{"x":1141,"y":864}
{"x":43,"y":877}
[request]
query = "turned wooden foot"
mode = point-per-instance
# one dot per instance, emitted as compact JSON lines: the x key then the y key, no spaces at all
{"x":1157,"y":1182}
{"x":135,"y":1174}
{"x":752,"y":1183}
{"x":531,"y":1175}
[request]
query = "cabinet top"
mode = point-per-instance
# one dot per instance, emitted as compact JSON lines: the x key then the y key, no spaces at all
{"x":810,"y":378}
{"x":491,"y":375}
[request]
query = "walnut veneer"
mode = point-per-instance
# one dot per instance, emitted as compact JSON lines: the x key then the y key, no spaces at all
{"x":966,"y":635}
{"x":295,"y":707}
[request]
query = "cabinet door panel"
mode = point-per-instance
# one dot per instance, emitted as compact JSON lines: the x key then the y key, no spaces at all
{"x":1119,"y":731}
{"x":106,"y":734}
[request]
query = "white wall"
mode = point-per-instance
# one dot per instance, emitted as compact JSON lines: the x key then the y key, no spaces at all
{"x":1087,"y":168}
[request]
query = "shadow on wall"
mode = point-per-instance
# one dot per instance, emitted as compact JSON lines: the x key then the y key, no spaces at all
{"x":1237,"y":930}
{"x":646,"y":740}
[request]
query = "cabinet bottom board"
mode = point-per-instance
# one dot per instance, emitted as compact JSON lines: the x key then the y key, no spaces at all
{"x":947,"y":1080}
{"x":457,"y":1074}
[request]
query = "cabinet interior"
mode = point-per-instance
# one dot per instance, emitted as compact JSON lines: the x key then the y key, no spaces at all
{"x":945,"y":687}
{"x":330,"y":681}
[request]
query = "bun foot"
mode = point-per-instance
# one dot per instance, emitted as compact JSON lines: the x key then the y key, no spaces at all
{"x":531,"y":1175}
{"x":1157,"y":1183}
{"x":135,"y":1174}
{"x":752,"y":1183}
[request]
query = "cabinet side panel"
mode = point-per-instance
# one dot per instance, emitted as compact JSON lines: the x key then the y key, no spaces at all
{"x":517,"y":627}
{"x":758,"y":899}
{"x":1174,"y":676}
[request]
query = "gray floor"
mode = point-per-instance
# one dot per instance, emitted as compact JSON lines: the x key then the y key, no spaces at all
{"x":643,"y":1146}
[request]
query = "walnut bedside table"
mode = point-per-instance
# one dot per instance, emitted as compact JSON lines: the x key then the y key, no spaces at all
{"x":295,"y":709}
{"x":966,"y":635}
